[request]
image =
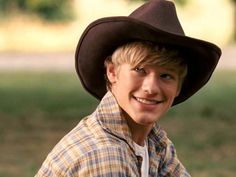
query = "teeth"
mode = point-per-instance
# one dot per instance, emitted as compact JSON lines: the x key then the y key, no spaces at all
{"x":145,"y":101}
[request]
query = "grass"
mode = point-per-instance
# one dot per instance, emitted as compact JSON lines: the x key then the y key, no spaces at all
{"x":37,"y":109}
{"x":54,"y":94}
{"x":202,"y":128}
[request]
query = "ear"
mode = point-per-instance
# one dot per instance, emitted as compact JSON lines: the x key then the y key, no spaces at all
{"x":111,"y":72}
{"x":179,"y":88}
{"x":178,"y":92}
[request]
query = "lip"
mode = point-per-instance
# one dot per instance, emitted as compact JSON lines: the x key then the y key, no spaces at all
{"x":147,"y":101}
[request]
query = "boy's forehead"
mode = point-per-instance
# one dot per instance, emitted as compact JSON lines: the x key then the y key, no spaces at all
{"x":169,"y":67}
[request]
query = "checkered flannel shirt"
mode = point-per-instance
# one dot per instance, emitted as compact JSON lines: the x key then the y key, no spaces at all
{"x":101,"y":145}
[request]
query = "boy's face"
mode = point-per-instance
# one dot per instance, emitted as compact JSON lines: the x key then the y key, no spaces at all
{"x":145,"y":93}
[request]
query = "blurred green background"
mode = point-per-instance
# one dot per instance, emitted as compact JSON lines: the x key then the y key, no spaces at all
{"x":41,"y":98}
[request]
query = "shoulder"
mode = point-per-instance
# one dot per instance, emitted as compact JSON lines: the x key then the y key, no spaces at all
{"x":111,"y":159}
{"x":171,"y":164}
{"x":85,"y":148}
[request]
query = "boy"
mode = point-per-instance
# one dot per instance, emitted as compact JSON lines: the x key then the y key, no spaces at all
{"x":150,"y":66}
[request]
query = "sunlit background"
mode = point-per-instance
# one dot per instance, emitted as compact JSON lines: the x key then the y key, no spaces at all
{"x":41,"y":98}
{"x":211,"y":20}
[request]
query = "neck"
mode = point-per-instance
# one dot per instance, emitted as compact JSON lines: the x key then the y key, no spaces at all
{"x":139,"y":138}
{"x":139,"y":132}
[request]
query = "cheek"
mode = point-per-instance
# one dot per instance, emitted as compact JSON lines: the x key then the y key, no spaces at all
{"x":136,"y":80}
{"x":130,"y":81}
{"x":171,"y":91}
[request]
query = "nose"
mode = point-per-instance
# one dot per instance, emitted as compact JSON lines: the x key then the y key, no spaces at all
{"x":151,"y":85}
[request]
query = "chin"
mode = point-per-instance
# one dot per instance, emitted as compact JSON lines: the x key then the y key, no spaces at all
{"x":146,"y":121}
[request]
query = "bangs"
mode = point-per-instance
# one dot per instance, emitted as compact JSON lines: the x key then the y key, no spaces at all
{"x":146,"y":53}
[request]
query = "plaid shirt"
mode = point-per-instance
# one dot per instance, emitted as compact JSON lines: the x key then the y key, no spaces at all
{"x":101,"y":145}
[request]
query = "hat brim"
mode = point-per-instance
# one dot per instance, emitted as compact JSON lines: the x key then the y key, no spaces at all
{"x":103,"y":36}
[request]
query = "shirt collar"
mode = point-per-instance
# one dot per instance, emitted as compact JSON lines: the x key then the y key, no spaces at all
{"x":110,"y":117}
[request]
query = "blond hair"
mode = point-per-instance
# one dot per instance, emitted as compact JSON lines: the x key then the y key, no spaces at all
{"x":146,"y":53}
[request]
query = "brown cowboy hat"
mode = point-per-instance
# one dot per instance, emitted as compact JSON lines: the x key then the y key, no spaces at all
{"x":155,"y":21}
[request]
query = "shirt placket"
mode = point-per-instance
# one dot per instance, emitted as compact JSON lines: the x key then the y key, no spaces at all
{"x":154,"y":159}
{"x":139,"y":164}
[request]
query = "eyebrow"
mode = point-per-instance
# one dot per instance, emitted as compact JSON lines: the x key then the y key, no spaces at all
{"x":174,"y":69}
{"x":171,"y":68}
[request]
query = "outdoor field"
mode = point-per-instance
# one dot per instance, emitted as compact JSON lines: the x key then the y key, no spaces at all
{"x":41,"y":98}
{"x":38,"y":108}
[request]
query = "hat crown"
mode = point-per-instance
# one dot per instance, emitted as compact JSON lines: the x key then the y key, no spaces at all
{"x":160,"y":14}
{"x":157,"y":22}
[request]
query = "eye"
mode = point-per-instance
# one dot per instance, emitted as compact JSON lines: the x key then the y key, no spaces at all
{"x":140,"y":70}
{"x":167,"y":76}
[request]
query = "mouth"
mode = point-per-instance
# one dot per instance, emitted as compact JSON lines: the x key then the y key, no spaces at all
{"x":147,"y":101}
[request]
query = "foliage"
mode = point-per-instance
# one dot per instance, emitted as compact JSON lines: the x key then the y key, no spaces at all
{"x":51,"y":10}
{"x":37,"y":110}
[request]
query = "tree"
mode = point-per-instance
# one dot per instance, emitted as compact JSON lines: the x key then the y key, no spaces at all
{"x":49,"y":10}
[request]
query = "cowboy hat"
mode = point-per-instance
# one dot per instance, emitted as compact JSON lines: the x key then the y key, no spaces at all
{"x":155,"y":21}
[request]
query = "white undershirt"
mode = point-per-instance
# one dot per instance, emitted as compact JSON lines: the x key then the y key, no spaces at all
{"x":143,"y":152}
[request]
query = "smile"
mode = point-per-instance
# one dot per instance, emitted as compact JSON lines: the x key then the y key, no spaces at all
{"x":147,"y":101}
